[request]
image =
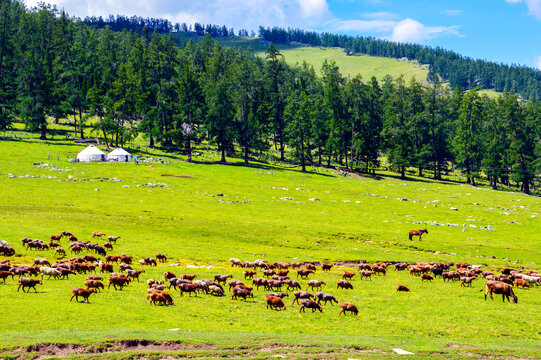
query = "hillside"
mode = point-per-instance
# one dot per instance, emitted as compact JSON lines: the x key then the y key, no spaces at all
{"x":265,"y":212}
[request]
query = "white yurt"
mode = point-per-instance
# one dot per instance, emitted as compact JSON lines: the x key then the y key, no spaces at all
{"x":91,"y":153}
{"x":120,"y":155}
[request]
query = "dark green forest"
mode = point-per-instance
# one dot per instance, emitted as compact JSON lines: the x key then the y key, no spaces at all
{"x":138,"y":82}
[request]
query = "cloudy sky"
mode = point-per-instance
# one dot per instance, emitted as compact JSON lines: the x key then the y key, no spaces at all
{"x":507,"y":31}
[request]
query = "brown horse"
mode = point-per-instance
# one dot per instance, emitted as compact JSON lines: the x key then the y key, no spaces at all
{"x":418,"y":233}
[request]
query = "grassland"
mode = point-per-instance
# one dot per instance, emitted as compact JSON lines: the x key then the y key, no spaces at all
{"x":350,"y":66}
{"x":182,"y":216}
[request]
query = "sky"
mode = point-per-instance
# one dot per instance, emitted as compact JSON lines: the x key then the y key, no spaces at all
{"x":504,"y":31}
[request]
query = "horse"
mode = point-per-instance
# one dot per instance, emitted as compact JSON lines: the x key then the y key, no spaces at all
{"x":418,"y":233}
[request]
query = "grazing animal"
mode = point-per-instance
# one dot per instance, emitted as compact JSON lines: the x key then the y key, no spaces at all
{"x":94,"y":284}
{"x":325,"y":297}
{"x":53,"y":244}
{"x":366,"y":274}
{"x":151,"y":282}
{"x":498,"y":287}
{"x":106,"y":267}
{"x":161,"y":257}
{"x":257,"y":282}
{"x":50,"y":272}
{"x":379,"y":270}
{"x":134,"y":274}
{"x":235,"y":262}
{"x":97,"y":234}
{"x":60,"y":251}
{"x":112,"y":238}
{"x":348,"y":307}
{"x":232,"y":283}
{"x":119,"y":280}
{"x":28,"y":283}
{"x":188,"y":288}
{"x":221,"y":279}
{"x":5,"y":274}
{"x":188,"y":277}
{"x":518,"y":283}
{"x":302,"y":295}
{"x":168,"y":275}
{"x":216,"y":291}
{"x":249,"y":274}
{"x":148,"y":261}
{"x":41,"y":262}
{"x":365,"y":267}
{"x":280,"y":295}
{"x":348,"y":275}
{"x":426,"y":277}
{"x":275,"y":303}
{"x":275,"y":285}
{"x":108,"y":246}
{"x":242,"y":293}
{"x":292,"y":284}
{"x":268,"y":272}
{"x":310,"y":266}
{"x":402,"y":288}
{"x":418,"y":233}
{"x":326,"y":267}
{"x":466,"y":280}
{"x":303,"y":273}
{"x":315,"y":284}
{"x":84,"y":293}
{"x":401,"y":266}
{"x":310,"y":305}
{"x":161,"y":297}
{"x":55,"y":237}
{"x":344,"y":284}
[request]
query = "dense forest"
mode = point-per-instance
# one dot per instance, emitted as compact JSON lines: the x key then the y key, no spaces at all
{"x":464,"y":72}
{"x":129,"y":84}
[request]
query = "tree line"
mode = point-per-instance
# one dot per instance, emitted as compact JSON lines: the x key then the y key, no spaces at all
{"x":458,"y":70}
{"x":127,"y":84}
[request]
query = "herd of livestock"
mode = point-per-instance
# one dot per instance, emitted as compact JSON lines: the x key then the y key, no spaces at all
{"x":277,"y":278}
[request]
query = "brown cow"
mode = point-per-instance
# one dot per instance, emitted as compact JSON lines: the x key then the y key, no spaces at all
{"x":498,"y":287}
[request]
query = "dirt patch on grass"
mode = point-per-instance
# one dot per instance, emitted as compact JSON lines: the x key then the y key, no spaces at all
{"x":62,"y":350}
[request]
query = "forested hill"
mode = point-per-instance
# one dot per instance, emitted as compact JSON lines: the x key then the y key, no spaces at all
{"x":461,"y":71}
{"x":458,"y":70}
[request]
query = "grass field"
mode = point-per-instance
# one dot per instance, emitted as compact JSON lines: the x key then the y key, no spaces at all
{"x":265,"y":213}
{"x":350,"y":66}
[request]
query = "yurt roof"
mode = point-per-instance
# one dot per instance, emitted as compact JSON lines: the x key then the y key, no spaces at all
{"x":91,"y":150}
{"x":119,"y":151}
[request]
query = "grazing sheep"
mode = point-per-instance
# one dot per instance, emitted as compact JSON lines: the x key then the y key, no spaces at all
{"x":345,"y":307}
{"x":310,"y":305}
{"x":344,"y":284}
{"x":347,"y":275}
{"x":303,"y":273}
{"x":302,"y":295}
{"x":161,"y":257}
{"x":216,"y":291}
{"x":326,"y":267}
{"x":28,"y":283}
{"x":325,"y":297}
{"x":275,"y":303}
{"x":94,"y":284}
{"x":49,"y":271}
{"x":249,"y":274}
{"x":402,"y":288}
{"x":426,"y":277}
{"x":315,"y":284}
{"x":466,"y":280}
{"x":84,"y":293}
{"x":235,"y":262}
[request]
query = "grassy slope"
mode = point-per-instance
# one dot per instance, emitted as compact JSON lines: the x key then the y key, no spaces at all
{"x":191,"y":226}
{"x":366,"y":66}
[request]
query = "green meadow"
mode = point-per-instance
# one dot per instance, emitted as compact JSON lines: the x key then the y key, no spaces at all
{"x":273,"y":212}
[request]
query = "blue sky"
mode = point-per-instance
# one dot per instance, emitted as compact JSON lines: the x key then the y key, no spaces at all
{"x":507,"y":31}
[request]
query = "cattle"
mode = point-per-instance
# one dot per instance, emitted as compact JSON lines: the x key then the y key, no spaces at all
{"x":325,"y":297}
{"x":275,"y":303}
{"x":302,"y":295}
{"x":466,"y":280}
{"x":347,"y":275}
{"x":242,"y":293}
{"x":315,"y":284}
{"x":426,"y":277}
{"x":94,"y":284}
{"x":221,"y":279}
{"x":28,"y":283}
{"x":344,"y":284}
{"x":326,"y":267}
{"x":161,"y":257}
{"x":84,"y":293}
{"x":118,"y":280}
{"x":310,"y":305}
{"x":498,"y":287}
{"x":249,"y":274}
{"x":235,"y":262}
{"x":304,"y":273}
{"x":402,"y":288}
{"x":348,"y":307}
{"x":518,"y":283}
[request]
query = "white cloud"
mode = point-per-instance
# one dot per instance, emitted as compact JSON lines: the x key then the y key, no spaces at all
{"x":534,"y":7}
{"x":378,"y":26}
{"x":538,"y":62}
{"x":409,"y":30}
{"x":313,"y":8}
{"x":381,"y":15}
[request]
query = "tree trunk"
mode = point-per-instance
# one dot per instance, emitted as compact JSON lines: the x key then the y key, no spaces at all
{"x":151,"y":142}
{"x":43,"y":130}
{"x":420,"y":171}
{"x":319,"y":155}
{"x":403,"y":172}
{"x":80,"y":124}
{"x":189,"y":148}
{"x":223,"y":155}
{"x":246,"y":152}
